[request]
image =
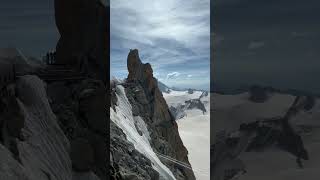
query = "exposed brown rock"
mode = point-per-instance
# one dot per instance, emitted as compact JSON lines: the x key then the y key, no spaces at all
{"x":137,"y":70}
{"x":153,"y":108}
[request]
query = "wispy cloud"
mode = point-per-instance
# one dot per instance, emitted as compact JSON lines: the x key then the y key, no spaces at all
{"x":172,"y":35}
{"x":173,"y":75}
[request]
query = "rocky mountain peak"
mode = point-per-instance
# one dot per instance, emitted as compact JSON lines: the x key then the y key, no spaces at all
{"x":148,"y":103}
{"x":134,"y":65}
{"x":83,"y":28}
{"x":138,"y":70}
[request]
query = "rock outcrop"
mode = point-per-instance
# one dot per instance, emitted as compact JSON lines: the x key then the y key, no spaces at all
{"x":53,"y":131}
{"x":33,"y":143}
{"x":84,"y":35}
{"x":57,"y":130}
{"x":81,"y":113}
{"x":179,"y":111}
{"x":147,"y":102}
{"x":80,"y":106}
{"x":125,"y":161}
{"x":258,"y":136}
{"x":196,"y":104}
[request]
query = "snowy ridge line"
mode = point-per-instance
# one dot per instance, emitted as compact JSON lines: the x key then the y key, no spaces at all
{"x":181,"y":163}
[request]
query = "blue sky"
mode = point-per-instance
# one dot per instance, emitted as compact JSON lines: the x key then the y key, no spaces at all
{"x":172,"y":35}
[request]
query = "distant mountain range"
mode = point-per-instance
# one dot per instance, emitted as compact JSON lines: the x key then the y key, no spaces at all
{"x":246,"y":88}
{"x":248,"y":132}
{"x":191,"y":110}
{"x":164,"y":88}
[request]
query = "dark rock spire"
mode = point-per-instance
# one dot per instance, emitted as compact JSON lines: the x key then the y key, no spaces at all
{"x":147,"y":102}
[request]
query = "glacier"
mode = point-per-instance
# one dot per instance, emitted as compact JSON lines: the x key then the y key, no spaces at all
{"x":194,"y":130}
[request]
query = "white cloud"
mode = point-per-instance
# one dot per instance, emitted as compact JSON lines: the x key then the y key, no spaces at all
{"x":171,"y":35}
{"x":173,"y":75}
{"x":189,"y":76}
{"x":185,"y":24}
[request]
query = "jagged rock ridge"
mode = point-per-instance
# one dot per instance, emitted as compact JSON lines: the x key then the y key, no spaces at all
{"x":263,"y":135}
{"x":84,"y":34}
{"x":147,"y":102}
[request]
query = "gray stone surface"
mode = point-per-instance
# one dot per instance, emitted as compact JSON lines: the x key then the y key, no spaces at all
{"x":147,"y":102}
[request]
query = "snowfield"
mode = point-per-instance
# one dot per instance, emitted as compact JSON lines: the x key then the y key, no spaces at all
{"x":272,"y":163}
{"x":194,"y":130}
{"x":175,"y":97}
{"x":232,"y":110}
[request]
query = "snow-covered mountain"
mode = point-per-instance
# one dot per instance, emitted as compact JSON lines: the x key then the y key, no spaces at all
{"x":163,"y":88}
{"x":277,"y":138}
{"x":136,"y":131}
{"x":145,"y":141}
{"x":191,"y":110}
{"x":180,"y":102}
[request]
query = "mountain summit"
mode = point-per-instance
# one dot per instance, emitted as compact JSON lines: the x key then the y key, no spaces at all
{"x":139,"y":72}
{"x":139,"y":102}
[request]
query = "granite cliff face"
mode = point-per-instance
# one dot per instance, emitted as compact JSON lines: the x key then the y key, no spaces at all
{"x":53,"y":119}
{"x":84,"y":34}
{"x":51,"y":132}
{"x":80,"y":111}
{"x":80,"y":105}
{"x":147,"y":103}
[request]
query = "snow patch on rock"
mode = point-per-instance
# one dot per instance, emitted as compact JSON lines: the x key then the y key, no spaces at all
{"x":124,"y":119}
